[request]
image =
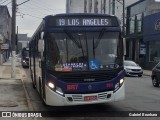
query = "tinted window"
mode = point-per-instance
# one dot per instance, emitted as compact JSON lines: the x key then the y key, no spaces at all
{"x":129,"y":63}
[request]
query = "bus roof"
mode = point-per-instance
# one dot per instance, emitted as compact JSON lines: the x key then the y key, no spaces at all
{"x":81,"y":20}
{"x":80,"y":14}
{"x":94,"y":22}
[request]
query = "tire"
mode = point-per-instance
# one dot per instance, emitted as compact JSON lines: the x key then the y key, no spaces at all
{"x":33,"y":84}
{"x":139,"y":75}
{"x":155,"y":82}
{"x":41,"y":93}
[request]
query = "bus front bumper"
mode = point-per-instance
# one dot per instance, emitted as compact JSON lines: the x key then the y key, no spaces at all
{"x":54,"y":99}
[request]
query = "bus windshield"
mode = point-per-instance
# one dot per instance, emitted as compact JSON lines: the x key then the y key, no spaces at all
{"x":83,"y":51}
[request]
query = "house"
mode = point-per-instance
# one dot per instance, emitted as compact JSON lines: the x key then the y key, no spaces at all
{"x":5,"y":33}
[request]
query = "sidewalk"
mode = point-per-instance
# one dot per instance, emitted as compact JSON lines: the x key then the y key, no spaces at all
{"x":13,"y":96}
{"x":147,"y":72}
{"x":5,"y":71}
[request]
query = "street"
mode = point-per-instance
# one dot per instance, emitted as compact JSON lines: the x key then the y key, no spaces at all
{"x":68,"y":46}
{"x":140,"y":96}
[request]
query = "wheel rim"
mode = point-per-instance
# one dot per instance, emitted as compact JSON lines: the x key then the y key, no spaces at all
{"x":154,"y":81}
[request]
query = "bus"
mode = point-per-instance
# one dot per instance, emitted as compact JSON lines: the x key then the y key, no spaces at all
{"x":77,"y":59}
{"x":25,"y":57}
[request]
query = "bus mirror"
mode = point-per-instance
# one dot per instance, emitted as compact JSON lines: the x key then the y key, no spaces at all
{"x":42,"y":34}
{"x":41,"y":45}
{"x":124,"y":46}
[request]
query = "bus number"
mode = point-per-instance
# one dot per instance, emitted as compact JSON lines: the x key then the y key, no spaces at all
{"x":61,"y":22}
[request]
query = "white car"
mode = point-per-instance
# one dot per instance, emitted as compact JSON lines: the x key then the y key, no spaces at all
{"x":132,"y":69}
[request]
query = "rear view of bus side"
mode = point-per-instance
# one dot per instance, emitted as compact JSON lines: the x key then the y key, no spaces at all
{"x":77,"y":59}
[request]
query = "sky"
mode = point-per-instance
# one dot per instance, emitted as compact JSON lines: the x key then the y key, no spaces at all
{"x":30,"y":14}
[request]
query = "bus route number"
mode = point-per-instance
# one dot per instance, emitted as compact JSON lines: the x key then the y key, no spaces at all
{"x":61,"y":22}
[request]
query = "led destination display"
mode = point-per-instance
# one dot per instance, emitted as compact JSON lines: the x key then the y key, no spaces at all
{"x":83,"y":21}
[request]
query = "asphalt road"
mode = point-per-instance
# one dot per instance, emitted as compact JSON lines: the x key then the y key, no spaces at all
{"x":140,"y":96}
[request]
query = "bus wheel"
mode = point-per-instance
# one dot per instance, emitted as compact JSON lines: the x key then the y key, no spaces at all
{"x":33,"y":84}
{"x":41,"y":93}
{"x":155,"y":82}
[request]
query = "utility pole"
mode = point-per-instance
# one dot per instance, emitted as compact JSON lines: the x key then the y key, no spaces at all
{"x":13,"y":36}
{"x":113,"y":7}
{"x":13,"y":39}
{"x":123,"y":27}
{"x":109,"y":7}
{"x":17,"y":41}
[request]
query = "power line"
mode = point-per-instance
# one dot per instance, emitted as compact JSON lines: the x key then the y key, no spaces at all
{"x":29,"y":15}
{"x":4,"y":2}
{"x":41,"y":9}
{"x":8,"y":3}
{"x":38,"y":14}
{"x":33,"y":12}
{"x":23,"y":2}
{"x":45,"y":7}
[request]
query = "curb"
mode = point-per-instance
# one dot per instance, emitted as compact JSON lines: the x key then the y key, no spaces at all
{"x":146,"y":74}
{"x":30,"y":105}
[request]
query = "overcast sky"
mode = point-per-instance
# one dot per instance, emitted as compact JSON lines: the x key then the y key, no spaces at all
{"x":30,"y":14}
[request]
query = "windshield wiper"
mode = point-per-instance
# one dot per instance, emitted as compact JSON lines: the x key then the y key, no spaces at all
{"x":87,"y":48}
{"x":72,"y":38}
{"x":99,"y":38}
{"x":81,"y":47}
{"x":93,"y":49}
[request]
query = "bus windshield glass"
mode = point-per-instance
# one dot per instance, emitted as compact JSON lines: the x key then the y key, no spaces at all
{"x":82,"y":51}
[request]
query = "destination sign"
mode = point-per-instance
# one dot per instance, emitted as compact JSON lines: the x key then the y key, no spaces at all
{"x":86,"y":21}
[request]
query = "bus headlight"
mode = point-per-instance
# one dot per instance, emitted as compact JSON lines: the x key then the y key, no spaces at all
{"x":51,"y":85}
{"x":121,"y":81}
{"x":119,"y":84}
{"x":55,"y":88}
{"x":24,"y":61}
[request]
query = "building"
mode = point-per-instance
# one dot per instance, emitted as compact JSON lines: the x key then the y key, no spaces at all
{"x":142,"y":36}
{"x":111,"y":7}
{"x":23,"y":41}
{"x":5,"y":33}
{"x":97,"y":6}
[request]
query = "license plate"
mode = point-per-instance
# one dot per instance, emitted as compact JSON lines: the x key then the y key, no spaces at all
{"x":90,"y":98}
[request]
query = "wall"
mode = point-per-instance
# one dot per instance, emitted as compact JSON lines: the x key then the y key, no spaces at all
{"x":5,"y":31}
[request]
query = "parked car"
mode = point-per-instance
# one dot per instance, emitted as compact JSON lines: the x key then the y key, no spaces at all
{"x":156,"y":75}
{"x":25,"y":57}
{"x":132,"y":69}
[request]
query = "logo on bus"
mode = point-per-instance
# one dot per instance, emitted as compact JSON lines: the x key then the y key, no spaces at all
{"x":89,"y":87}
{"x":94,"y":65}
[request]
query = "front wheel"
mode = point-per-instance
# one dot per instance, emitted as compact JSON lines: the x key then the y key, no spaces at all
{"x":41,"y":93}
{"x":155,"y":82}
{"x":33,"y":83}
